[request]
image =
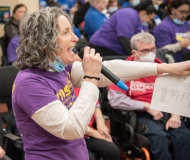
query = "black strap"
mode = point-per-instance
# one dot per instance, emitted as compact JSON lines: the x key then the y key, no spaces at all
{"x":97,"y":78}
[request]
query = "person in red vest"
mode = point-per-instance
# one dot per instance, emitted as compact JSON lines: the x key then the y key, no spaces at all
{"x":98,"y":139}
{"x":139,"y":96}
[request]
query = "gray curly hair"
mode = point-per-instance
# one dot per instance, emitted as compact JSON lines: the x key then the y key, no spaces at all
{"x":38,"y":38}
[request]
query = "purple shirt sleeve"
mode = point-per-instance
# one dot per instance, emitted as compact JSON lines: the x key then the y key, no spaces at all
{"x":118,"y":100}
{"x":33,"y":94}
{"x":11,"y":49}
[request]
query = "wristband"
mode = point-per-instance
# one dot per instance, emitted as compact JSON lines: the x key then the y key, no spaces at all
{"x":97,"y":78}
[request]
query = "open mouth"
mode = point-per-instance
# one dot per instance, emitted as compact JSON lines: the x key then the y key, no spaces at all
{"x":70,"y":50}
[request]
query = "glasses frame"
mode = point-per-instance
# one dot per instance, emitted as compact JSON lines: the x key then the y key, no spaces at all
{"x":145,"y":51}
{"x":182,"y":12}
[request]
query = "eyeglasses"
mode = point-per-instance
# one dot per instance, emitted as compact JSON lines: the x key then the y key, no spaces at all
{"x":145,"y":51}
{"x":186,"y":13}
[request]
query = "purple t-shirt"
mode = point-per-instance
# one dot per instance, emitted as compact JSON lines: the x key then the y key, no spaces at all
{"x":124,"y":22}
{"x":167,"y":32}
{"x":33,"y":89}
{"x":11,"y":49}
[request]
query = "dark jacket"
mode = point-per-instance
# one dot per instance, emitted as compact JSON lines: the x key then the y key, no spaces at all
{"x":11,"y":29}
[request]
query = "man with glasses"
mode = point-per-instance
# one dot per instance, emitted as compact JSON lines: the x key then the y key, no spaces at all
{"x":113,"y":38}
{"x":159,"y":125}
{"x":173,"y":32}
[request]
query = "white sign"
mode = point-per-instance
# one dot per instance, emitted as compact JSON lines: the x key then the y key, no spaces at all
{"x":172,"y":94}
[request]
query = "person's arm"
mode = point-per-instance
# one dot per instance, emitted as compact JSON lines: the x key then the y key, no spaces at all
{"x":133,"y":70}
{"x":98,"y":114}
{"x":173,"y":122}
{"x":2,"y":153}
{"x":118,"y":100}
{"x":100,"y":122}
{"x":164,"y":40}
{"x":178,"y":46}
{"x":173,"y":47}
{"x":69,"y":124}
{"x":94,"y":133}
{"x":125,"y":42}
{"x":130,"y":70}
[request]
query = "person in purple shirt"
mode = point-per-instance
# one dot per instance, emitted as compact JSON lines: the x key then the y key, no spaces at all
{"x":113,"y":38}
{"x":173,"y":32}
{"x":43,"y":88}
{"x":11,"y":49}
{"x":51,"y":120}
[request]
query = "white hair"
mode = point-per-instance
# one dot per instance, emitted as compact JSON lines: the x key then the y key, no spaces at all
{"x":144,"y":37}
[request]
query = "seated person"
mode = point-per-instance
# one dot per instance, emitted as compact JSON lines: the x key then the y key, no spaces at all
{"x":138,"y":97}
{"x":160,"y":15}
{"x":113,"y":38}
{"x":43,"y":96}
{"x":173,"y":32}
{"x":112,"y":6}
{"x":94,"y":18}
{"x":11,"y":28}
{"x":98,"y":140}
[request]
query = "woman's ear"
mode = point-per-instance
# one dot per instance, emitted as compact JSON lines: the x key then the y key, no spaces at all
{"x":173,"y":10}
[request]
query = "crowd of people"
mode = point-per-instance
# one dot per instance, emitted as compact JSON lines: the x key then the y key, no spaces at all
{"x":56,"y":93}
{"x":108,"y":26}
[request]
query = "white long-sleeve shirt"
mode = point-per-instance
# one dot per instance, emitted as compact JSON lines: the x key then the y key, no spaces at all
{"x":71,"y":124}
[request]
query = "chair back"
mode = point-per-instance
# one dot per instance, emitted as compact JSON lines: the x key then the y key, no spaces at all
{"x":165,"y":56}
{"x":186,"y":55}
{"x":7,"y":77}
{"x":4,"y":45}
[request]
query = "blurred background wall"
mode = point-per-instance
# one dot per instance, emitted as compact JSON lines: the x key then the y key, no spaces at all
{"x":32,"y":6}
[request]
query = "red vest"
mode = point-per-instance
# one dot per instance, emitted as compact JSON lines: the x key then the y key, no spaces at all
{"x":140,"y":89}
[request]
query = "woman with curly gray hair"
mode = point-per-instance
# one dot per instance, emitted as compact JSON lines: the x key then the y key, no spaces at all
{"x":51,"y":120}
